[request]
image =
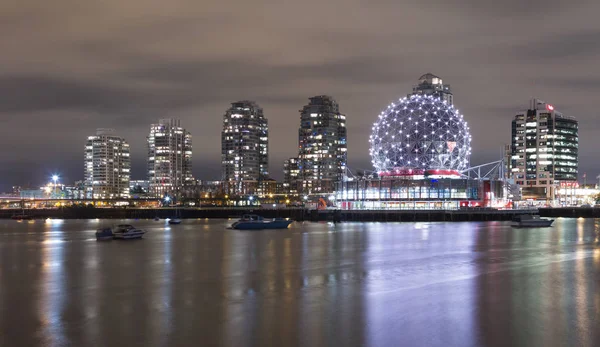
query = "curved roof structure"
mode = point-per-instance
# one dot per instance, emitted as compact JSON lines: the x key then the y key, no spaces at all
{"x":420,"y":132}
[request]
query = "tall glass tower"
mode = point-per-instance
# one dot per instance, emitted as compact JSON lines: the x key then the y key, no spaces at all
{"x":245,"y":147}
{"x":107,"y":166}
{"x":169,"y":158}
{"x":322,"y":155}
{"x":545,"y":146}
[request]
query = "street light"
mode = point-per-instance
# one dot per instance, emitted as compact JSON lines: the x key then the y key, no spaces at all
{"x":305,"y":197}
{"x":54,"y":179}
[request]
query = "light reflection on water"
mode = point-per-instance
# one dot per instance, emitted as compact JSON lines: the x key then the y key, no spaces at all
{"x":317,"y":284}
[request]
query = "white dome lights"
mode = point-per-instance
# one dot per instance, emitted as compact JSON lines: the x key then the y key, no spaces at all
{"x":420,"y":133}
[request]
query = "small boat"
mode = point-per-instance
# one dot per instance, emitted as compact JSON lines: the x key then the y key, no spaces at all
{"x":104,"y":234}
{"x":128,"y":231}
{"x":175,"y":221}
{"x":21,"y":216}
{"x":530,"y":221}
{"x":254,"y":222}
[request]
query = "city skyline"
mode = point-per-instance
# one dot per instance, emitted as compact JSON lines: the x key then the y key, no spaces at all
{"x":279,"y":170}
{"x":107,"y":75}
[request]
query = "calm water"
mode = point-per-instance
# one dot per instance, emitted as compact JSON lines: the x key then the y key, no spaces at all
{"x":354,"y":284}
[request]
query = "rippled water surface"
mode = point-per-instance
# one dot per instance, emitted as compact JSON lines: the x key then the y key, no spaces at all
{"x":316,"y":284}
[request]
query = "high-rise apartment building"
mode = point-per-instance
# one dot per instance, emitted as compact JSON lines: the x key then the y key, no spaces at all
{"x":544,"y":150}
{"x":291,"y":173}
{"x":322,"y":155}
{"x":244,"y":147}
{"x":430,"y":84}
{"x":107,"y":166}
{"x":169,"y":158}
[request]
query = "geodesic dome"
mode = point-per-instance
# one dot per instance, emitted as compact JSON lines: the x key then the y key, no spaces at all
{"x":420,"y":132}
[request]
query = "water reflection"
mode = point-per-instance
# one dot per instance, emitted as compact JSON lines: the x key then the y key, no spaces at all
{"x":53,"y":287}
{"x":317,"y":284}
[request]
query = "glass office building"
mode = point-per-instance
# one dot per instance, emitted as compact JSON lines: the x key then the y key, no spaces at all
{"x":544,"y":150}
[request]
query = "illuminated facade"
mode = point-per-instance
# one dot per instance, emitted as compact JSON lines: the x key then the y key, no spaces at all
{"x":411,"y":192}
{"x":322,"y":156}
{"x":420,"y":148}
{"x":291,"y":173}
{"x":107,"y":166}
{"x":430,"y":84}
{"x":544,"y":149}
{"x":420,"y":135}
{"x":244,"y":147}
{"x":169,"y":158}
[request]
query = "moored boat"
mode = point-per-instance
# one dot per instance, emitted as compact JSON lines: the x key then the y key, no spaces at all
{"x":104,"y":234}
{"x":175,"y":221}
{"x":21,"y":216}
{"x":531,"y":221}
{"x":127,"y":232}
{"x":254,"y":222}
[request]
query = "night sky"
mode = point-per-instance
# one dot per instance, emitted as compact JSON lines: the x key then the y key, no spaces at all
{"x":69,"y":67}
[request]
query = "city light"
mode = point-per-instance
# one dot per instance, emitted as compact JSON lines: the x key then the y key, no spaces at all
{"x":420,"y":132}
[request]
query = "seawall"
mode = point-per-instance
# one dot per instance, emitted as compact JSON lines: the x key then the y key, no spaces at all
{"x":298,"y":214}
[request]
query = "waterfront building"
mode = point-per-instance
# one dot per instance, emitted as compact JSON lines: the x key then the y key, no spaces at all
{"x":107,"y":166}
{"x":430,"y":84}
{"x":544,"y":151}
{"x":291,"y":173}
{"x":420,"y":149}
{"x":244,"y":148}
{"x":76,"y":191}
{"x":143,"y":185}
{"x":169,"y":158}
{"x":322,"y":156}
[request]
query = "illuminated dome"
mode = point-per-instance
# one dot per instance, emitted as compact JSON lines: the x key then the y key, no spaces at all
{"x":420,"y":134}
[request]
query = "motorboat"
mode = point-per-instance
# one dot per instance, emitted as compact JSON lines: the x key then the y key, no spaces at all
{"x":531,"y":221}
{"x":104,"y":234}
{"x":255,"y":222}
{"x":175,"y":221}
{"x":127,"y":232}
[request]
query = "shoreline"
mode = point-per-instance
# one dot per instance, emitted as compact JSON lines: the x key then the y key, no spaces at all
{"x":297,"y":214}
{"x":300,"y":214}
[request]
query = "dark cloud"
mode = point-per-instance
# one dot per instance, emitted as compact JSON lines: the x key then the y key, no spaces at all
{"x":558,"y":47}
{"x":40,"y":93}
{"x":125,"y":65}
{"x":510,"y":8}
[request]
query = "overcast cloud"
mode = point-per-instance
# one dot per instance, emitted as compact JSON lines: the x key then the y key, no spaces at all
{"x":69,"y":67}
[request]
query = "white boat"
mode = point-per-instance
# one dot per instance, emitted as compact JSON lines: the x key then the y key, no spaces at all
{"x":127,"y":232}
{"x":530,"y":221}
{"x":254,"y":222}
